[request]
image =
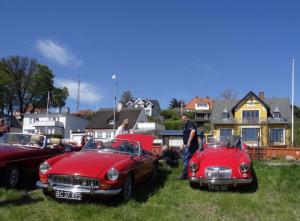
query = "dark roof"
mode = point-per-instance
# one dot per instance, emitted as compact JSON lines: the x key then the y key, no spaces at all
{"x":250,"y":94}
{"x":281,"y":103}
{"x":102,"y":117}
{"x":217,"y":112}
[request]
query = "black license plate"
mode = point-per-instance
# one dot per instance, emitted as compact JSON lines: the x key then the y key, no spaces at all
{"x":60,"y":194}
{"x":218,"y":187}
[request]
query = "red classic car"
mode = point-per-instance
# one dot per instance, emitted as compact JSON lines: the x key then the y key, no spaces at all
{"x":220,"y":165}
{"x":100,"y":169}
{"x":21,"y":155}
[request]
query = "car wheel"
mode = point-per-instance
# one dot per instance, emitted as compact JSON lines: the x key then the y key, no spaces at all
{"x":47,"y":193}
{"x":126,"y":189}
{"x":12,"y":177}
{"x":154,"y":175}
{"x":194,"y":185}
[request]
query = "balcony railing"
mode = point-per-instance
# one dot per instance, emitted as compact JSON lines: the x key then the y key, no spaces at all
{"x":202,"y":118}
{"x":49,"y":124}
{"x":252,"y":121}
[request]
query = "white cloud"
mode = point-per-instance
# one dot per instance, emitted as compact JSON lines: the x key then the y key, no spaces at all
{"x":56,"y":52}
{"x":88,"y":92}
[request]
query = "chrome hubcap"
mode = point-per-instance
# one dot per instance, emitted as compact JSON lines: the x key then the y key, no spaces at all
{"x":13,"y":177}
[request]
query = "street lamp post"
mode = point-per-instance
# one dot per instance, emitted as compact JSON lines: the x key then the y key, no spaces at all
{"x":114,"y":77}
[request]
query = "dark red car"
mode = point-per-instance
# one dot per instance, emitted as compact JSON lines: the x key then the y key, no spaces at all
{"x":21,"y":155}
{"x":220,"y":165}
{"x":100,"y":169}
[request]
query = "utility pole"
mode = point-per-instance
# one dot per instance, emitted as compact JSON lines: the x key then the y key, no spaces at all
{"x":293,"y":78}
{"x":78,"y":94}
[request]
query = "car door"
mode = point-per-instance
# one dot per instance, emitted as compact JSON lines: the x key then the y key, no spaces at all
{"x":143,"y":166}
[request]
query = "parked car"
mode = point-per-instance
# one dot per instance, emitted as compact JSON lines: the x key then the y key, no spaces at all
{"x":100,"y":169}
{"x":223,"y":163}
{"x":21,"y":155}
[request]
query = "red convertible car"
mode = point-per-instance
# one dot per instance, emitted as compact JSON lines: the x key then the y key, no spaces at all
{"x":220,"y":165}
{"x":100,"y":169}
{"x":21,"y":155}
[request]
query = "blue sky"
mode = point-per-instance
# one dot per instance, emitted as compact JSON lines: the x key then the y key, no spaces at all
{"x":158,"y":49}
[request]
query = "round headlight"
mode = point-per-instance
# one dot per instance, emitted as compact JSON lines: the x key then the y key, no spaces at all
{"x":193,"y":167}
{"x":44,"y":167}
{"x":244,"y":167}
{"x":113,"y":174}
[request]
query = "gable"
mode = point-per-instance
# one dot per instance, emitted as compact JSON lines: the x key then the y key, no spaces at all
{"x":251,"y":101}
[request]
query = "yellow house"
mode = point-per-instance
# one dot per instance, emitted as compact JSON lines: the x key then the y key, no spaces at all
{"x":258,"y":120}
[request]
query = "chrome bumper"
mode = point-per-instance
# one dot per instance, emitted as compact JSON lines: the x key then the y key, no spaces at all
{"x":234,"y":182}
{"x":74,"y":189}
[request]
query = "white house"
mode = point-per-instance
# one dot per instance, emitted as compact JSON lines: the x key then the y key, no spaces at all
{"x":152,"y":107}
{"x":53,"y":123}
{"x":101,"y":124}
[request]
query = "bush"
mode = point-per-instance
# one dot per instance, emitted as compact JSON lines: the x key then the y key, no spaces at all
{"x":170,"y":114}
{"x":173,"y":124}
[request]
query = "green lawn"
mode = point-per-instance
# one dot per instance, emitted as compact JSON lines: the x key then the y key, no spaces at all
{"x":277,"y":198}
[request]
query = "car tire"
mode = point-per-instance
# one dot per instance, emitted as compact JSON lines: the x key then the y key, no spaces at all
{"x":47,"y":193}
{"x":153,"y":177}
{"x":194,"y":185}
{"x":127,"y":188}
{"x":12,"y":176}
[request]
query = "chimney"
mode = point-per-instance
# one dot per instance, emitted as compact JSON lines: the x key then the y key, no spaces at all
{"x":261,"y":95}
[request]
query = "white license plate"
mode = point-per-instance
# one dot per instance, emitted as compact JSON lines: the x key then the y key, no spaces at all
{"x":60,"y":194}
{"x":218,"y":187}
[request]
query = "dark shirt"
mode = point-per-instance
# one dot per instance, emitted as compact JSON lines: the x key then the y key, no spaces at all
{"x":187,"y":128}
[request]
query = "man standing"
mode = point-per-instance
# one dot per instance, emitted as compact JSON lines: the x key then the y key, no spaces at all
{"x":190,"y":144}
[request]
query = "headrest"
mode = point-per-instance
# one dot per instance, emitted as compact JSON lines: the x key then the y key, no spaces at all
{"x":55,"y":141}
{"x":36,"y":138}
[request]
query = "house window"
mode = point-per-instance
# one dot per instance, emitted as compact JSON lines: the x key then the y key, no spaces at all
{"x":250,"y":103}
{"x":33,"y":120}
{"x":111,"y":122}
{"x":276,"y":115}
{"x":202,"y":105}
{"x":225,"y":115}
{"x":250,"y":116}
{"x":108,"y":135}
{"x":276,"y":135}
{"x":225,"y":132}
{"x":250,"y":134}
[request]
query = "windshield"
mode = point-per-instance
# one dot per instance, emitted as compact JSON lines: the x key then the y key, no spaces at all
{"x":24,"y":140}
{"x":115,"y":145}
{"x":230,"y":141}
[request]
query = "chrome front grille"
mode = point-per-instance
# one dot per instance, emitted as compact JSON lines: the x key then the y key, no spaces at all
{"x":217,"y":172}
{"x":71,"y":180}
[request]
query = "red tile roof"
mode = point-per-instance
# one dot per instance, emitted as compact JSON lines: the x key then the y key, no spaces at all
{"x":191,"y":105}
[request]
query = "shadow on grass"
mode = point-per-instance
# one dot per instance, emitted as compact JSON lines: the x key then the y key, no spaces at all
{"x":144,"y":191}
{"x":24,"y":199}
{"x":141,"y":193}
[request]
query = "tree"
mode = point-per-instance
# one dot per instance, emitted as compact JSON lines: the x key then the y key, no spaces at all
{"x":176,"y":103}
{"x":297,"y":112}
{"x":126,"y":96}
{"x":59,"y":96}
{"x":228,"y":94}
{"x":23,"y":81}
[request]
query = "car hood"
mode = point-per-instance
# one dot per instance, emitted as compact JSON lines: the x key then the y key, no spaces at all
{"x":220,"y":157}
{"x":86,"y":163}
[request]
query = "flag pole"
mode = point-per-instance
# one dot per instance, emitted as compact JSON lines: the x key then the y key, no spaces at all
{"x":48,"y":102}
{"x":293,"y":81}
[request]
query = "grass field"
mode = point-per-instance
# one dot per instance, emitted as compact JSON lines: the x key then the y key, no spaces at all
{"x":277,"y":198}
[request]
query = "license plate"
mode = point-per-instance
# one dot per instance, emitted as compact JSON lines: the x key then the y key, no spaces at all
{"x":59,"y":194}
{"x":218,"y":187}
